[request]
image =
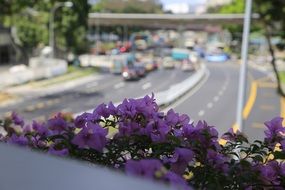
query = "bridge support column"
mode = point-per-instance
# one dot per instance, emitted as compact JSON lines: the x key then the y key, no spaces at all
{"x":125,"y":33}
{"x":181,"y":40}
{"x":97,"y":36}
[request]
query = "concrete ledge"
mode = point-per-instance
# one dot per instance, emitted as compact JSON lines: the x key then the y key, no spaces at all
{"x":24,"y":169}
{"x":38,"y":69}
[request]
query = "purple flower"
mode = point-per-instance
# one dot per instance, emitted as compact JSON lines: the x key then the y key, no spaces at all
{"x":102,"y":111}
{"x":282,"y":169}
{"x":91,"y":136}
{"x":171,"y":117}
{"x":205,"y":135}
{"x":17,"y":120}
{"x":57,"y":125}
{"x":146,"y":106}
{"x":112,"y":109}
{"x":282,"y":142}
{"x":184,"y":119}
{"x":129,"y":128}
{"x":81,"y":120}
{"x":105,"y":111}
{"x":180,"y":160}
{"x":41,"y":129}
{"x":232,"y":136}
{"x":217,"y":160}
{"x":275,"y":130}
{"x":38,"y":142}
{"x":176,"y":180}
{"x":268,"y":173}
{"x":157,"y":130}
{"x":62,"y":152}
{"x":28,"y":129}
{"x":127,"y":108}
{"x":189,"y":131}
{"x":146,"y":168}
{"x":18,"y":140}
{"x":207,"y":130}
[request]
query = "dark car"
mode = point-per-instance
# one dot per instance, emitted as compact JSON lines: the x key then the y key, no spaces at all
{"x":130,"y":71}
{"x":140,"y":69}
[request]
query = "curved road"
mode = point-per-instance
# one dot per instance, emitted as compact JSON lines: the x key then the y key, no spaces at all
{"x":104,"y":88}
{"x":214,"y":99}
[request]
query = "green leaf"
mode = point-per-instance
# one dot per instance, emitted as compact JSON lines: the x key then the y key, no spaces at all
{"x":279,"y":155}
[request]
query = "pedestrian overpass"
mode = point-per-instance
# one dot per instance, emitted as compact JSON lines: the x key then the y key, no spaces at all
{"x":165,"y":21}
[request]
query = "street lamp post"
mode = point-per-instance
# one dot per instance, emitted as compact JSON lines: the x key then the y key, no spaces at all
{"x":243,"y":68}
{"x":51,"y":23}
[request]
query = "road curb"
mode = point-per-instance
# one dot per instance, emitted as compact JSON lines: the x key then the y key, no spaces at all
{"x":175,"y":91}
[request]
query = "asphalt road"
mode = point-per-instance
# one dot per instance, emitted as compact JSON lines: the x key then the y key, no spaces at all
{"x":214,"y":100}
{"x":107,"y":87}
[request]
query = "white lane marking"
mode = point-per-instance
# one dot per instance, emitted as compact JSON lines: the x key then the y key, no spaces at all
{"x":190,"y":93}
{"x":90,"y":85}
{"x":216,"y":98}
{"x":146,"y":86}
{"x":201,"y":113}
{"x":119,"y":85}
{"x":221,"y":93}
{"x":210,"y":105}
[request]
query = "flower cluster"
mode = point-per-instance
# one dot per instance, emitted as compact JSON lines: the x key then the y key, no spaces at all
{"x":137,"y":138}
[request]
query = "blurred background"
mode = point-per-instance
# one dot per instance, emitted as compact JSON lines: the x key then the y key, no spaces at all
{"x":70,"y":56}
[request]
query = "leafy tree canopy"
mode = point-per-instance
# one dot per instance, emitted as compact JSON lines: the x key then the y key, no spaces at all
{"x":31,"y":20}
{"x":128,"y":6}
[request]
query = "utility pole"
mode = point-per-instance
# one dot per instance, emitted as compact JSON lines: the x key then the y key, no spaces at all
{"x":51,"y":23}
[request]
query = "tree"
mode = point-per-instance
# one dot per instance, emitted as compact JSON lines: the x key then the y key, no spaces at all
{"x":128,"y":6}
{"x":272,"y":18}
{"x":31,"y":20}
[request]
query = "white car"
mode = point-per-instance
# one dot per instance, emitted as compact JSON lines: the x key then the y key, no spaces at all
{"x":168,"y":63}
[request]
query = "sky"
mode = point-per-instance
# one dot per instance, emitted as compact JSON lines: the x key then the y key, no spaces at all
{"x":180,"y":6}
{"x":182,"y":1}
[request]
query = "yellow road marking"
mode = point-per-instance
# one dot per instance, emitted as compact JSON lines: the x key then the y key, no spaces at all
{"x":251,"y":100}
{"x":282,"y":109}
